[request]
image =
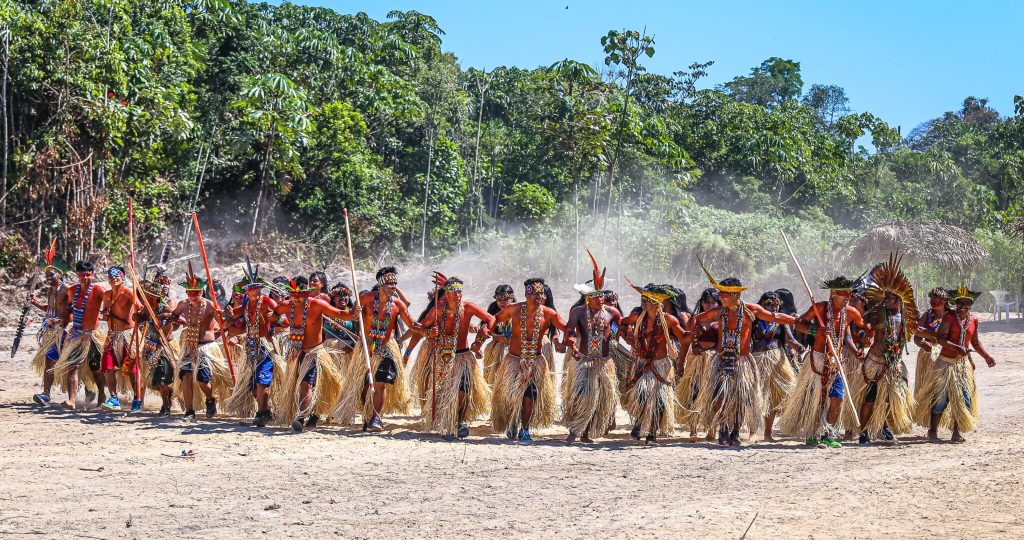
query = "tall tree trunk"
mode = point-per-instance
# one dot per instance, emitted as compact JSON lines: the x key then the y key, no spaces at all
{"x":3,"y":97}
{"x":263,"y":186}
{"x":426,"y":191}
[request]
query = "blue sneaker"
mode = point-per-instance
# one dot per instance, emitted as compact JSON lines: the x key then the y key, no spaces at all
{"x":524,"y":435}
{"x":111,"y":404}
{"x":136,"y":405}
{"x":42,"y":399}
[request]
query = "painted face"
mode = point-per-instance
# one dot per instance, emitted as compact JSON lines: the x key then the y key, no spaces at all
{"x":936,"y":302}
{"x":595,"y":301}
{"x":84,"y":278}
{"x":505,"y":300}
{"x":453,"y":296}
{"x":253,"y":293}
{"x":840,"y":296}
{"x":771,"y":305}
{"x":115,"y":281}
{"x":729,"y":299}
{"x":194,"y":294}
{"x":314,"y":282}
{"x":297,"y":297}
{"x":963,"y":305}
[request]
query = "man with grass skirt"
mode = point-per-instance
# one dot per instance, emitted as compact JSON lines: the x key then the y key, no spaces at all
{"x":652,"y":335}
{"x":455,"y":388}
{"x":777,"y":374}
{"x":931,"y":320}
{"x":203,"y":363}
{"x":255,"y":314}
{"x":733,"y":394}
{"x":813,"y":408}
{"x":120,"y":352}
{"x":312,"y":380}
{"x":590,"y":388}
{"x":884,"y":400}
{"x":951,"y":393}
{"x":159,"y":360}
{"x":382,"y":308}
{"x":51,"y":334}
{"x":524,"y":392}
{"x":80,"y":353}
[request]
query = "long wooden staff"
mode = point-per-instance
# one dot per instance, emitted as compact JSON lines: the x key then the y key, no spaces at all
{"x":213,"y":297}
{"x":847,"y":400}
{"x":138,"y":286}
{"x":359,"y":308}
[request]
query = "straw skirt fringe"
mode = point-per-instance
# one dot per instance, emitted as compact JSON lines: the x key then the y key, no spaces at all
{"x":212,"y":355}
{"x":894,"y":403}
{"x":741,"y":395}
{"x":73,"y":356}
{"x":442,"y":415}
{"x":351,"y":400}
{"x":689,"y":384}
{"x":494,"y":351}
{"x":328,"y":383}
{"x":590,"y":394}
{"x":778,"y":377}
{"x":241,"y":403}
{"x":951,"y":379}
{"x":651,"y":402}
{"x":803,"y":414}
{"x":511,"y":382}
{"x":49,"y":337}
{"x":926,"y":359}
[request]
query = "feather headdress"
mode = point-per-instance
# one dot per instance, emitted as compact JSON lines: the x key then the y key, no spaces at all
{"x":888,"y":278}
{"x":192,"y":282}
{"x":651,"y":292}
{"x":717,"y":285}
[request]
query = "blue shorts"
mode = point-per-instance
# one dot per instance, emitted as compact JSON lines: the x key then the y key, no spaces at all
{"x":203,"y":374}
{"x":52,"y":354}
{"x":837,"y":390}
{"x":309,"y":377}
{"x":264,"y":374}
{"x":940,"y":405}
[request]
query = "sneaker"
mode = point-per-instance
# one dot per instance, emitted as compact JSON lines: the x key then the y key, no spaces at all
{"x":447,"y":437}
{"x":651,"y":439}
{"x":723,"y":438}
{"x":463,"y":430}
{"x":864,"y":438}
{"x":887,"y":435}
{"x":136,"y":405}
{"x":313,"y":419}
{"x":298,"y":423}
{"x":42,"y":399}
{"x":190,"y":415}
{"x":211,"y":408}
{"x":512,"y":432}
{"x":261,"y":419}
{"x":635,"y":433}
{"x":831,"y":443}
{"x":111,"y":404}
{"x":524,"y":435}
{"x":165,"y":410}
{"x":375,"y":425}
{"x":734,"y":439}
{"x":89,"y":396}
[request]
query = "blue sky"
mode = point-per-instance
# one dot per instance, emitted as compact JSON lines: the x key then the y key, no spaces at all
{"x":905,"y":61}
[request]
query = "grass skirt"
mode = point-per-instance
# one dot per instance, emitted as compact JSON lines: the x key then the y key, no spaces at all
{"x":442,"y":416}
{"x":212,"y":355}
{"x":894,"y":403}
{"x":624,"y":368}
{"x":778,"y":377}
{"x":148,"y":364}
{"x":952,"y":379}
{"x":419,"y":375}
{"x":803,"y":414}
{"x":351,"y":400}
{"x":288,"y":396}
{"x":741,"y":395}
{"x":73,"y":356}
{"x":651,"y":402}
{"x":922,"y":372}
{"x":854,"y":383}
{"x":510,"y":384}
{"x":688,"y":386}
{"x":126,"y":351}
{"x":590,"y":394}
{"x":494,"y":351}
{"x":241,"y":403}
{"x":49,"y":336}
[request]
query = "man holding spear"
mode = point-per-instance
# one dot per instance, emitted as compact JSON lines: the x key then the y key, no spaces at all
{"x":52,"y":332}
{"x":814,"y":405}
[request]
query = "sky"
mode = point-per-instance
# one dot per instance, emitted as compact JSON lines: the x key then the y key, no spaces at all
{"x":904,"y":61}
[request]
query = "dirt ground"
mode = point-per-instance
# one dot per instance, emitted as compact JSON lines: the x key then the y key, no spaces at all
{"x":91,"y":474}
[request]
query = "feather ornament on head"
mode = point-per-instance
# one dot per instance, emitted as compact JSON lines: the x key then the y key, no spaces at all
{"x":962,"y":292}
{"x":50,"y":254}
{"x":192,"y":282}
{"x":651,"y":292}
{"x":598,"y":275}
{"x":888,"y":278}
{"x":717,"y":285}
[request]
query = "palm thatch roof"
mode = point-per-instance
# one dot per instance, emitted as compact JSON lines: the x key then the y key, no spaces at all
{"x":933,"y":242}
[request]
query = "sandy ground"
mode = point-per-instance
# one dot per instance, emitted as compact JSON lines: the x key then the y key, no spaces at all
{"x":91,"y":474}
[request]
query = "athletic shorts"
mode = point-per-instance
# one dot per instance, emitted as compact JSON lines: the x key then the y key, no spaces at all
{"x":387,"y":370}
{"x":109,"y":362}
{"x":52,"y":355}
{"x":264,"y":374}
{"x":837,"y":390}
{"x":163,"y":373}
{"x":203,"y":374}
{"x":310,"y":376}
{"x":94,"y":357}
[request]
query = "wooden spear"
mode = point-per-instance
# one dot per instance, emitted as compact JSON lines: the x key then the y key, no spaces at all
{"x":359,"y":307}
{"x":213,"y":296}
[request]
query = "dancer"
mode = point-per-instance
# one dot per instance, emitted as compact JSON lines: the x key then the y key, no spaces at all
{"x":80,"y":353}
{"x":51,"y":333}
{"x":589,"y":389}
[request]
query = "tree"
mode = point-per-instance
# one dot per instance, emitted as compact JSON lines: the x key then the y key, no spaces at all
{"x":828,"y":101}
{"x":771,"y":84}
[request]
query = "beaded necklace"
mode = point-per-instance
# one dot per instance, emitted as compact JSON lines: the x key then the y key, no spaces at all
{"x":297,"y":333}
{"x":78,"y":313}
{"x":252,"y":330}
{"x":190,"y":335}
{"x":647,"y":340}
{"x":934,"y":322}
{"x":730,"y":340}
{"x":449,"y":342}
{"x":963,"y":329}
{"x":596,"y":325}
{"x":830,"y":325}
{"x":529,"y":342}
{"x":379,"y":325}
{"x":151,"y":339}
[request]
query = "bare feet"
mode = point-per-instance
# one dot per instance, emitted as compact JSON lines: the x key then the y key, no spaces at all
{"x":570,"y":439}
{"x":957,"y":438}
{"x":933,"y":437}
{"x":768,"y":437}
{"x":585,"y":439}
{"x":69,"y":405}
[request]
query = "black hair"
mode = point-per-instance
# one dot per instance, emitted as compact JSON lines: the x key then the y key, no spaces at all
{"x":769,"y":295}
{"x":502,"y":290}
{"x":434,"y":296}
{"x":301,"y":281}
{"x":678,"y":300}
{"x":454,"y":279}
{"x":731,"y":282}
{"x":323,"y":279}
{"x":84,"y":266}
{"x":788,"y":302}
{"x":710,"y":293}
{"x":386,"y":270}
{"x":532,"y":281}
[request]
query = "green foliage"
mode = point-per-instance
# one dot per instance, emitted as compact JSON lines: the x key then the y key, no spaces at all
{"x":15,"y":257}
{"x":530,"y":202}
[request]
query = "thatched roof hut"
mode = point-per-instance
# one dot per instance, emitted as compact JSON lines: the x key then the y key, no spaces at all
{"x":945,"y":246}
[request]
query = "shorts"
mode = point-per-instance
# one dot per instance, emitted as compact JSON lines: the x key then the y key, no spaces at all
{"x":531,"y":391}
{"x":163,"y":373}
{"x":264,"y":374}
{"x":310,"y":376}
{"x":941,"y":404}
{"x":837,"y":390}
{"x":109,"y":362}
{"x":872,"y":393}
{"x":387,"y":370}
{"x":93,"y":358}
{"x":52,"y":354}
{"x":202,"y":374}
{"x":464,"y":383}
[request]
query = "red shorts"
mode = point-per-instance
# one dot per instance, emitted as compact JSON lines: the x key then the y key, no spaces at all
{"x":109,"y":362}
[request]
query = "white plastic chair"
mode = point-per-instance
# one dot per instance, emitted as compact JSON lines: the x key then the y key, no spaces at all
{"x":1005,"y":301}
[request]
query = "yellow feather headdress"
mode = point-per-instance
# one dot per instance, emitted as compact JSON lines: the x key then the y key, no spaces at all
{"x":888,"y":278}
{"x":717,"y":285}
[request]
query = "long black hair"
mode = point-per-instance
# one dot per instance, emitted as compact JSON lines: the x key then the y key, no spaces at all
{"x":501,"y":290}
{"x":710,"y":293}
{"x":788,"y":302}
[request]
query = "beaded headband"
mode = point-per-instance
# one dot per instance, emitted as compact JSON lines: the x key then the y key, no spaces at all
{"x":534,"y":288}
